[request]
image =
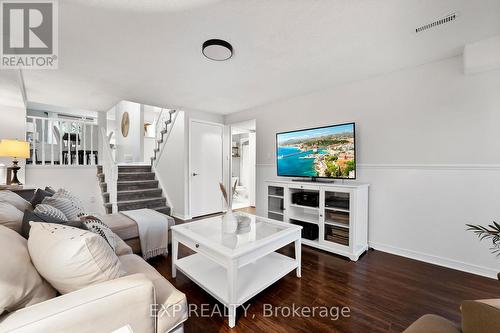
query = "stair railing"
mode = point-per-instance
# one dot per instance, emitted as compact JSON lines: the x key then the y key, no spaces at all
{"x":110,"y":170}
{"x":158,"y":124}
{"x":165,"y":122}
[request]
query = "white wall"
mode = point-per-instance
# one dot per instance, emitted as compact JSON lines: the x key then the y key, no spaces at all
{"x":79,"y":180}
{"x":429,"y":145}
{"x":12,"y":126}
{"x":170,"y":170}
{"x":132,"y":146}
{"x":173,"y":165}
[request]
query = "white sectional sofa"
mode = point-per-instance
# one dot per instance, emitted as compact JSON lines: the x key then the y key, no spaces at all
{"x":140,"y":301}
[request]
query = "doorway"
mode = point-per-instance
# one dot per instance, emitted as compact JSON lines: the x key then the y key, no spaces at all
{"x":205,"y":167}
{"x":243,"y":164}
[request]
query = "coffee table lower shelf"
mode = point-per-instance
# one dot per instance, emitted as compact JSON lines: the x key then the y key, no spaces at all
{"x":251,"y":278}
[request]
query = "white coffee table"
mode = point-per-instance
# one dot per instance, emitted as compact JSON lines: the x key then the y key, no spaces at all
{"x":234,"y":266}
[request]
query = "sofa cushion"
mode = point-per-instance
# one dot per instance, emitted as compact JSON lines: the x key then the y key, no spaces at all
{"x":122,"y":225}
{"x":38,"y":197}
{"x":15,"y":200}
{"x":430,"y":323}
{"x":122,"y":248}
{"x":72,"y":209}
{"x":37,"y":216}
{"x":481,"y":316}
{"x":20,"y":283}
{"x":173,"y":303}
{"x":10,"y":216}
{"x":71,"y":258}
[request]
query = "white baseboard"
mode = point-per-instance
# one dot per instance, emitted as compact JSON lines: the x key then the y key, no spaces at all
{"x":449,"y":263}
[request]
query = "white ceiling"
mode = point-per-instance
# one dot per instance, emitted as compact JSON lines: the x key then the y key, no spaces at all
{"x":150,"y":51}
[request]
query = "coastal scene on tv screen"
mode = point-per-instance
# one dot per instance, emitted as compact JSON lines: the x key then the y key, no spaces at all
{"x":319,"y":152}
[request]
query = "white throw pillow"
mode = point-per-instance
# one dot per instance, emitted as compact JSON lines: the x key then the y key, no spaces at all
{"x":71,"y":258}
{"x":11,"y":217}
{"x":20,"y":283}
{"x":15,"y":200}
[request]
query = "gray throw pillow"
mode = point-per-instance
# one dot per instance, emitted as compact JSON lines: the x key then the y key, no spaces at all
{"x":37,"y":216}
{"x":39,"y":196}
{"x":50,"y":190}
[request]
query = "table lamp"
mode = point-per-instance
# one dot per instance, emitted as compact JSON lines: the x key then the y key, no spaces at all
{"x":15,"y":149}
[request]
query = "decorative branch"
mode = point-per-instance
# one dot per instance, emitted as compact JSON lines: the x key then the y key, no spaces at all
{"x":492,"y":232}
{"x":224,"y":194}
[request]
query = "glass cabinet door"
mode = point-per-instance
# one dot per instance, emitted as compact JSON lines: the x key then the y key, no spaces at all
{"x":337,"y":218}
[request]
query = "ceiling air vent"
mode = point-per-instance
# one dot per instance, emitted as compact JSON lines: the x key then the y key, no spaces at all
{"x":446,"y":19}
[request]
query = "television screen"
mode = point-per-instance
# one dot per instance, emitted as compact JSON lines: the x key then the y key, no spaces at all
{"x":323,"y":152}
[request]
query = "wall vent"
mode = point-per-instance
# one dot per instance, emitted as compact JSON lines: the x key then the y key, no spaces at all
{"x":446,"y":19}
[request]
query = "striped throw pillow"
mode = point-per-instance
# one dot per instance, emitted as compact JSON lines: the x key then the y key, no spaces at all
{"x":50,"y":211}
{"x":70,"y":208}
{"x":95,"y":225}
{"x":63,"y":193}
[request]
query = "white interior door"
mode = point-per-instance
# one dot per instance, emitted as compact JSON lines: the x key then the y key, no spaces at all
{"x":206,"y":140}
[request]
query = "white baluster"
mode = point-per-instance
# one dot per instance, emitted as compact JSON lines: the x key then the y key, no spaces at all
{"x":77,"y":147}
{"x":92,"y":160}
{"x":69,"y":144}
{"x":84,"y":139}
{"x":60,"y":143}
{"x":50,"y":129}
{"x":35,"y":134}
{"x":43,"y":141}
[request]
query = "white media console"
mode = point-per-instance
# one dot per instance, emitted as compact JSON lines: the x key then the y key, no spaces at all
{"x":337,"y":223}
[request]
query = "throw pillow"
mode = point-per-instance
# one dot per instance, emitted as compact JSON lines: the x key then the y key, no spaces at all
{"x":50,"y":211}
{"x":95,"y":225}
{"x":20,"y":283}
{"x":37,"y":216}
{"x":39,"y":196}
{"x":70,"y":208}
{"x":15,"y":200}
{"x":63,"y":193}
{"x":10,"y":216}
{"x":71,"y":259}
{"x":50,"y":190}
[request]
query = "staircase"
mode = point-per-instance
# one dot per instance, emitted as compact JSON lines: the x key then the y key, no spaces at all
{"x":130,"y":187}
{"x":136,"y":188}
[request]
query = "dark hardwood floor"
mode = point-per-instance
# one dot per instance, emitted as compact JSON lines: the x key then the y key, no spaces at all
{"x":385,"y":293}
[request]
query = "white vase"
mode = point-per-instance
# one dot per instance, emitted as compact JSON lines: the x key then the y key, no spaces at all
{"x":229,"y":223}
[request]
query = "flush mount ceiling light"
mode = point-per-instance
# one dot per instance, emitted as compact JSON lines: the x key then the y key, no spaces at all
{"x":217,"y":49}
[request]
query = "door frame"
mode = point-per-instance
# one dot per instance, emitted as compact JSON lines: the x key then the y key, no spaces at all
{"x":229,"y":182}
{"x":190,"y":171}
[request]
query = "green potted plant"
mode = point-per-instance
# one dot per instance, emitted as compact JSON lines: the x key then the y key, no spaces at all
{"x":491,"y":232}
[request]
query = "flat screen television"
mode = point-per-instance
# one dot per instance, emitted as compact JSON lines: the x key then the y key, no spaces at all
{"x":322,"y":152}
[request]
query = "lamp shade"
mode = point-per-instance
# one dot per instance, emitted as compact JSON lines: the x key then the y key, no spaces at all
{"x":14,"y":148}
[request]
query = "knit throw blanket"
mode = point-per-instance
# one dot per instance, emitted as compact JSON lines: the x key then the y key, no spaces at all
{"x":153,"y":231}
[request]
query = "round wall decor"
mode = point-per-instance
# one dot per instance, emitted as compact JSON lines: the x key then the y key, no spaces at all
{"x":125,"y":124}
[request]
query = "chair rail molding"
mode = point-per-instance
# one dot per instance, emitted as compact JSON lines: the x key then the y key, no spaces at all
{"x":495,"y":167}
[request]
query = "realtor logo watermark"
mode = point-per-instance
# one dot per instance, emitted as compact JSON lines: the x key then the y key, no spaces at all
{"x":29,"y":34}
